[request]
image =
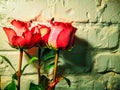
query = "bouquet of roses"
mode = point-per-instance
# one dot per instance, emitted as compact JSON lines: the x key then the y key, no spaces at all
{"x":51,"y":37}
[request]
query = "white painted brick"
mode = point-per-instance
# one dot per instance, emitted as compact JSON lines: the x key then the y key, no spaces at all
{"x":78,"y":10}
{"x":22,"y":9}
{"x":5,"y":81}
{"x":75,"y":10}
{"x":25,"y":81}
{"x":13,"y":56}
{"x":105,"y":62}
{"x":98,"y":35}
{"x":112,"y":11}
{"x":4,"y":44}
{"x":60,"y":9}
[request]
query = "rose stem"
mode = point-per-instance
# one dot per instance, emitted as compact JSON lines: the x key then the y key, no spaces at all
{"x":19,"y":68}
{"x":55,"y":66}
{"x":39,"y":61}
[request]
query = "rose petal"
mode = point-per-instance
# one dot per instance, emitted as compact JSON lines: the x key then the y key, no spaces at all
{"x":62,"y":35}
{"x":22,"y":41}
{"x":63,"y":39}
{"x":72,"y":39}
{"x":35,"y":30}
{"x":10,"y":33}
{"x":45,"y":32}
{"x":35,"y":40}
{"x":27,"y":36}
{"x":53,"y":37}
{"x":18,"y":41}
{"x":19,"y":26}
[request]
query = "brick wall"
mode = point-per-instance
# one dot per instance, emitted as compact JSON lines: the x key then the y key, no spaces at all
{"x":93,"y":64}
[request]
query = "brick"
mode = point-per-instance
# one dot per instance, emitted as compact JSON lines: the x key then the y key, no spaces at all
{"x":78,"y":82}
{"x":4,"y":41}
{"x":83,"y":82}
{"x":5,"y":81}
{"x":60,"y":9}
{"x":119,"y":41}
{"x":25,"y":81}
{"x":64,"y":88}
{"x":111,"y":81}
{"x":105,"y":62}
{"x":2,"y":66}
{"x":28,"y":9}
{"x":73,"y":80}
{"x":23,"y":10}
{"x":112,"y":12}
{"x":75,"y":10}
{"x":64,"y":9}
{"x":87,"y":86}
{"x":99,"y":85}
{"x":13,"y":56}
{"x":99,"y":35}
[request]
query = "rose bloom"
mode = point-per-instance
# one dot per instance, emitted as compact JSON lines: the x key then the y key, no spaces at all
{"x":62,"y":35}
{"x":43,"y":29}
{"x":21,"y":36}
{"x":45,"y":32}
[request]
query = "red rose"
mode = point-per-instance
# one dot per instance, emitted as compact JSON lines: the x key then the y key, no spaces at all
{"x":44,"y":31}
{"x":62,"y":35}
{"x":20,"y":36}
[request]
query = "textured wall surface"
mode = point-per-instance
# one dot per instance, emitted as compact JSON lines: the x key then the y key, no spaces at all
{"x":93,"y":64}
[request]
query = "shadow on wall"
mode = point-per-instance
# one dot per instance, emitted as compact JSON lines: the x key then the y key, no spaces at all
{"x":78,"y":60}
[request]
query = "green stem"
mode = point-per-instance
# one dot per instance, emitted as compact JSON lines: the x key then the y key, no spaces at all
{"x":19,"y":68}
{"x":39,"y":62}
{"x":55,"y":66}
